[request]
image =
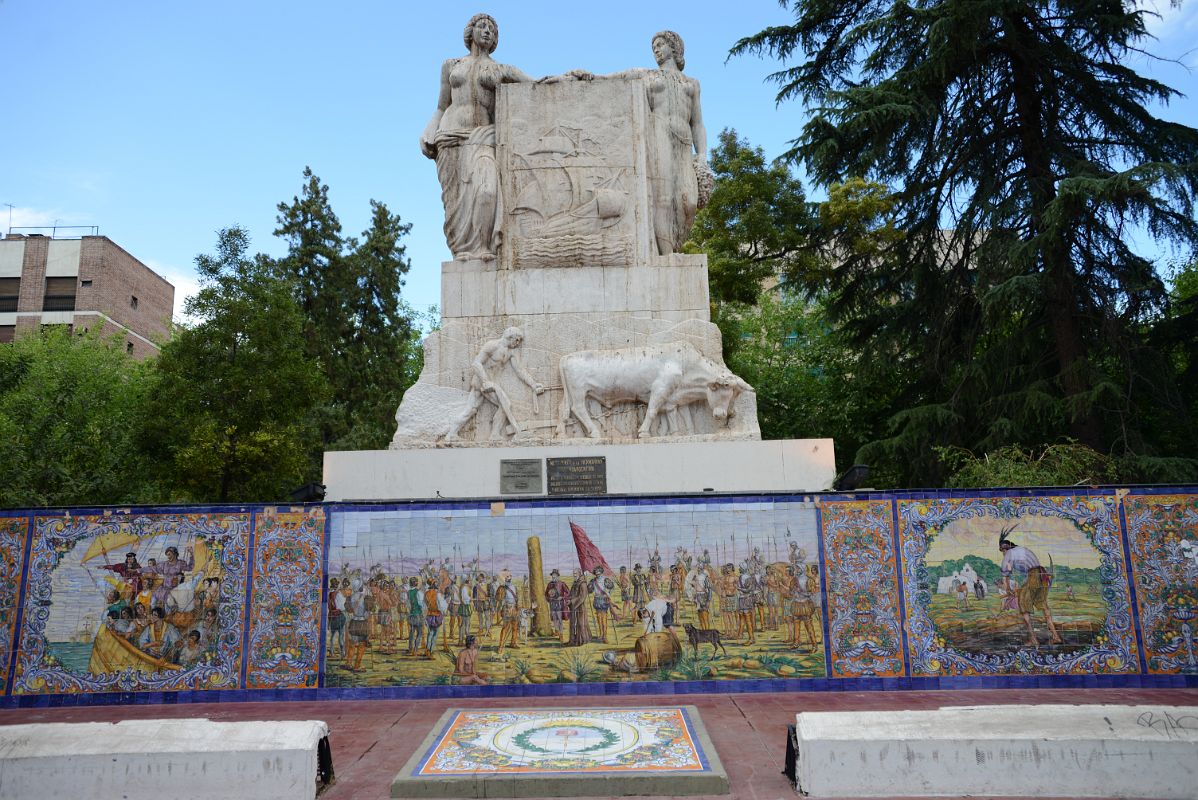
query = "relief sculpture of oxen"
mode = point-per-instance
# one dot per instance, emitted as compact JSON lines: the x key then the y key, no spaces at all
{"x":664,"y":377}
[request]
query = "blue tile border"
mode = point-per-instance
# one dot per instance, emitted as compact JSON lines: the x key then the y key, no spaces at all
{"x":654,"y":688}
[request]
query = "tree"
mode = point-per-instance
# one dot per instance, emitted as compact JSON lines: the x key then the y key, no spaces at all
{"x":806,"y":380}
{"x":315,"y":263}
{"x":756,"y":225}
{"x":1067,"y":464}
{"x":379,"y":352}
{"x":231,"y":417}
{"x":71,"y":409}
{"x":355,"y":325}
{"x":1020,"y":150}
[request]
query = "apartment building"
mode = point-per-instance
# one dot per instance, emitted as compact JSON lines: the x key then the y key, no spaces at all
{"x":87,"y":283}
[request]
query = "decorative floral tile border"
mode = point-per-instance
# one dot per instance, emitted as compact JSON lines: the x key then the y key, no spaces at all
{"x":1162,"y":534}
{"x":864,"y":630}
{"x":285,"y":603}
{"x":13,"y":533}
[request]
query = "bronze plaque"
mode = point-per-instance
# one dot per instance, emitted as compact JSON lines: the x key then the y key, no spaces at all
{"x":520,"y":476}
{"x":581,"y":475}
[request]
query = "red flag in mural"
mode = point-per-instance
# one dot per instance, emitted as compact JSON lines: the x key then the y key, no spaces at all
{"x":589,"y":556}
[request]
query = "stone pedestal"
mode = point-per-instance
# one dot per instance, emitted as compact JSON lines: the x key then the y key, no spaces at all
{"x":805,"y":465}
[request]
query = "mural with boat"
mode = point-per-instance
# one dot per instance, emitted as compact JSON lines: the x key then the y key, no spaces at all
{"x":128,"y":603}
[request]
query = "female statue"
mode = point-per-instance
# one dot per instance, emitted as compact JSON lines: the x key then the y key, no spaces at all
{"x":679,"y":179}
{"x":461,"y":137}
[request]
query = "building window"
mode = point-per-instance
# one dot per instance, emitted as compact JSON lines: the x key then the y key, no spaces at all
{"x":10,"y":292}
{"x":7,"y":332}
{"x":85,"y":283}
{"x":128,"y":347}
{"x":60,"y":294}
{"x":133,"y":301}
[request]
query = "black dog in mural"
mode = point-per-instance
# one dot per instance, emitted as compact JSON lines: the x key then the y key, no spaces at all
{"x":698,"y":636}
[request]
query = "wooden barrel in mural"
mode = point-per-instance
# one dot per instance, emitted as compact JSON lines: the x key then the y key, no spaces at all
{"x":656,"y":650}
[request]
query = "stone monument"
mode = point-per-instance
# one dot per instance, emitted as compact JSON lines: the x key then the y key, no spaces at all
{"x":569,"y":318}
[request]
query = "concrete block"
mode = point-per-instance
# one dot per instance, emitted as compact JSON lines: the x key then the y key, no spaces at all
{"x":1015,"y":750}
{"x":156,"y":759}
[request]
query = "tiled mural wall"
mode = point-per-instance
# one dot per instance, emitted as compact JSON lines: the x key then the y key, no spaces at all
{"x":904,"y":590}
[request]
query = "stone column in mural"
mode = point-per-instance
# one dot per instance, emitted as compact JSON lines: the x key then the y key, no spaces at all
{"x":536,"y":589}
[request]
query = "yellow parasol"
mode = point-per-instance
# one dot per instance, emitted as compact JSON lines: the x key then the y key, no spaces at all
{"x":107,"y":542}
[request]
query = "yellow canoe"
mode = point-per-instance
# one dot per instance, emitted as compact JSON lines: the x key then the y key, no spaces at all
{"x":113,"y":653}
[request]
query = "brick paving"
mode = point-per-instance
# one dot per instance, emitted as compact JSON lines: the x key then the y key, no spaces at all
{"x":371,"y":740}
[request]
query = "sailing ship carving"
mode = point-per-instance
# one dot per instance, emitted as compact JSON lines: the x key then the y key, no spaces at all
{"x":567,"y":201}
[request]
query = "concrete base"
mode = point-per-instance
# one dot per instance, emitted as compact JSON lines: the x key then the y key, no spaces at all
{"x":996,"y":751}
{"x":483,"y":754}
{"x":154,"y":759}
{"x":799,"y":465}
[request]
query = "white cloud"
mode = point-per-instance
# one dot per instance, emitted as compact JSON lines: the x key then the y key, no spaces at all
{"x":24,"y":217}
{"x":185,"y":283}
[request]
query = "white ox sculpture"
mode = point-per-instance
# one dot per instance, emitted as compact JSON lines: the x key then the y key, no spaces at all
{"x":664,"y":377}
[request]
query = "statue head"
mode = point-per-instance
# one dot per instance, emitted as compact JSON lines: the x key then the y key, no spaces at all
{"x":671,"y":40}
{"x":486,"y":29}
{"x":513,"y":336}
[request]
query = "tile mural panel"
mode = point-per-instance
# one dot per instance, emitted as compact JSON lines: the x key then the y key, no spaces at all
{"x":1016,"y":585}
{"x":864,"y":630}
{"x":656,"y":591}
{"x":13,"y":531}
{"x":1162,"y":532}
{"x":285,"y":606}
{"x":133,"y":602}
{"x":598,"y":592}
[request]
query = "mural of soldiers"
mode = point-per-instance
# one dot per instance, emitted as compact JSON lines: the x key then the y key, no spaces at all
{"x":802,"y":609}
{"x":624,"y":582}
{"x":509,"y":614}
{"x":556,"y":595}
{"x":482,"y":605}
{"x":601,"y":587}
{"x":415,"y":617}
{"x":728,"y":605}
{"x":640,"y":587}
{"x":699,"y":590}
{"x":746,"y":602}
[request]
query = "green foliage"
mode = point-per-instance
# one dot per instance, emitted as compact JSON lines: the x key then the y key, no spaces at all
{"x":71,"y":409}
{"x":755,"y":226}
{"x":808,"y":381}
{"x":355,"y":323}
{"x":1013,"y":148}
{"x":1067,"y":464}
{"x":230,"y":419}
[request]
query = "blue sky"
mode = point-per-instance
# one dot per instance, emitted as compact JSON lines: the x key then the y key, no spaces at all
{"x":164,"y":122}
